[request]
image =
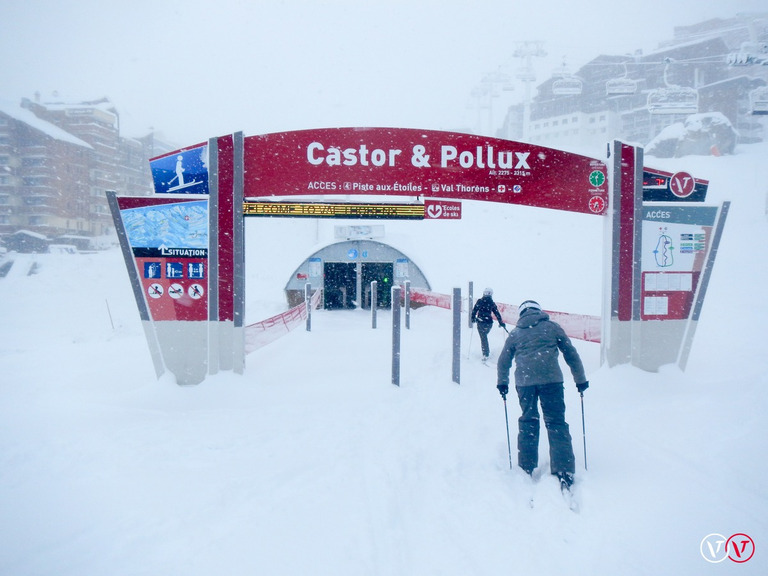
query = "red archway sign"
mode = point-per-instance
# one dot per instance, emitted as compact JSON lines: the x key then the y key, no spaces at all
{"x":421,"y":163}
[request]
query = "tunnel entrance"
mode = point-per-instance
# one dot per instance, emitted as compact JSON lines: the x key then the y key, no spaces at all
{"x":340,"y":280}
{"x":344,"y":272}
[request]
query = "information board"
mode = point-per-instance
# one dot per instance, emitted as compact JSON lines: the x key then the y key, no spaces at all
{"x":675,"y":242}
{"x":168,"y":239}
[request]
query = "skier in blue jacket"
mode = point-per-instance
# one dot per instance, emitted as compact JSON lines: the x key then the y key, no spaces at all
{"x":535,"y":344}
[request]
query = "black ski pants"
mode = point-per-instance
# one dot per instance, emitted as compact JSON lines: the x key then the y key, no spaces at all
{"x":552,"y":401}
{"x":483,"y":328}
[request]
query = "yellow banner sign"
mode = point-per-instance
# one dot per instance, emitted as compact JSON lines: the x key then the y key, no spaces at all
{"x":334,"y":210}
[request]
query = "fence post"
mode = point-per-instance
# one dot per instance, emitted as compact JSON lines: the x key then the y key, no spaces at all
{"x":374,"y":302}
{"x":457,"y":335}
{"x":308,"y":301}
{"x":396,"y":335}
{"x":407,"y":304}
{"x":470,"y":304}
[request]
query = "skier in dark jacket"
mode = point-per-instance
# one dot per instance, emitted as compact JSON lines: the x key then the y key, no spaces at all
{"x":483,"y":312}
{"x":534,"y":345}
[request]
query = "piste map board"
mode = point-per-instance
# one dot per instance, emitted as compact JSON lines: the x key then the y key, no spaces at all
{"x":409,"y":162}
{"x":675,"y":242}
{"x":169,"y":243}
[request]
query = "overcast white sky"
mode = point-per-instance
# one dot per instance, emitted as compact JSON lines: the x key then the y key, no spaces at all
{"x":197,"y":68}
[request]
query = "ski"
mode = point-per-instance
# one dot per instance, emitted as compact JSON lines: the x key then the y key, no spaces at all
{"x":567,"y":493}
{"x":533,"y":480}
{"x":570,"y":499}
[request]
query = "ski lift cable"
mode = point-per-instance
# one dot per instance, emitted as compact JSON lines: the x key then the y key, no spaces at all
{"x":704,"y":34}
{"x":702,"y":60}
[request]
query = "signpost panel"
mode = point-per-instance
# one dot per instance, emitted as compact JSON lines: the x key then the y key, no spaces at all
{"x":165,"y":244}
{"x":184,"y":171}
{"x":678,"y":244}
{"x":660,"y":255}
{"x":621,"y":253}
{"x":422,"y":163}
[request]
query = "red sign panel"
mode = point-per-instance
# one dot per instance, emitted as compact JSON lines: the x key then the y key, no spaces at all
{"x":175,"y":288}
{"x":421,"y":163}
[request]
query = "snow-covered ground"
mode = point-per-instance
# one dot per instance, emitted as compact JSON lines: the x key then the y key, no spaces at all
{"x":313,"y":463}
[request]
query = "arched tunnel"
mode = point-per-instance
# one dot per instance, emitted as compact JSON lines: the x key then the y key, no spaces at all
{"x":344,"y":272}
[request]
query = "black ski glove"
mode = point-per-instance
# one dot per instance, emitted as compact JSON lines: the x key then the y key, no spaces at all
{"x":503,"y":390}
{"x":581,"y":387}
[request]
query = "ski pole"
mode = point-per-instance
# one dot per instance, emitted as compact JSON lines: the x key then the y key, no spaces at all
{"x":583,"y":430}
{"x":506,"y":418}
{"x":471,"y":333}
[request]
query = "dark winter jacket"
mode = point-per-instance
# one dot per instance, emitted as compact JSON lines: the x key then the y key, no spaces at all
{"x":534,"y":344}
{"x":484,"y":310}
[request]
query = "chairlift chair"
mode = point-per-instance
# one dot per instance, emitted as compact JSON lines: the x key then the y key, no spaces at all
{"x":750,"y":53}
{"x":758,"y":101}
{"x":673,"y":99}
{"x":620,"y":87}
{"x":565,"y":83}
{"x":569,"y":86}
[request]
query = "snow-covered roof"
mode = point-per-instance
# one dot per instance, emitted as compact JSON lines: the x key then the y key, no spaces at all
{"x":749,"y":80}
{"x":27,"y":117}
{"x":674,"y":45}
{"x":31,"y":234}
{"x":102,"y":108}
{"x":103,"y":104}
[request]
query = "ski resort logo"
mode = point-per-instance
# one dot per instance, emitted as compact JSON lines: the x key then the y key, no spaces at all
{"x":738,"y":548}
{"x":682,"y":184}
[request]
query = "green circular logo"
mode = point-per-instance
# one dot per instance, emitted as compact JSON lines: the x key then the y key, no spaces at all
{"x":596,"y":178}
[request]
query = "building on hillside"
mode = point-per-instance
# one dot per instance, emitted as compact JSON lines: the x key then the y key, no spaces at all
{"x":43,"y":176}
{"x":716,"y":66}
{"x":116,"y":163}
{"x":58,"y":159}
